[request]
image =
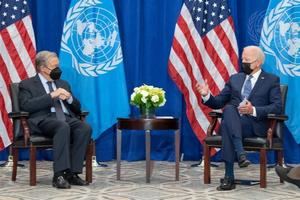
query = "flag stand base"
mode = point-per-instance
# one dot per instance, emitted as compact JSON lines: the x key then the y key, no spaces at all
{"x":9,"y":162}
{"x":97,"y":164}
{"x":198,"y":164}
{"x":201,"y":164}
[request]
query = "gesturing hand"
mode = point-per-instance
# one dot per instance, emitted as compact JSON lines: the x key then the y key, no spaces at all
{"x":202,"y":88}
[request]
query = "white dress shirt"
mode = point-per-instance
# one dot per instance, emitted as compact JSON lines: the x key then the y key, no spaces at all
{"x":46,"y":87}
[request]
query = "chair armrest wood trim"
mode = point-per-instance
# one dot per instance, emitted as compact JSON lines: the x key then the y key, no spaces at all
{"x":26,"y":131}
{"x":213,"y":122}
{"x":277,"y":117}
{"x":83,"y":114}
{"x":18,"y":115}
{"x":215,"y":114}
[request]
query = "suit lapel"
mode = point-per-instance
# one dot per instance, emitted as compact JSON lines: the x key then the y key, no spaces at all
{"x":241,"y":83}
{"x":58,"y":84}
{"x":39,"y":85}
{"x":258,"y":84}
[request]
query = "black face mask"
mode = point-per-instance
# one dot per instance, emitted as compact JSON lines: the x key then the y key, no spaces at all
{"x":55,"y":73}
{"x":246,"y":68}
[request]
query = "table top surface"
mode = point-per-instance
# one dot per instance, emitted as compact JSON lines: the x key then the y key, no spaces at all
{"x":157,"y":123}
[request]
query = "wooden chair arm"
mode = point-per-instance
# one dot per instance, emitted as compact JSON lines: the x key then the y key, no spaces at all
{"x":83,"y":114}
{"x":273,"y":120}
{"x":278,"y":117}
{"x":213,"y":122}
{"x":217,"y":114}
{"x":18,"y":115}
{"x":22,"y":116}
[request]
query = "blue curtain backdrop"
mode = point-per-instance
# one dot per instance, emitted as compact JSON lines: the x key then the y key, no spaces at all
{"x":146,"y":28}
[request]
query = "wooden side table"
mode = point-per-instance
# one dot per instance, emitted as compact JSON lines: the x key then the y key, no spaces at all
{"x":159,"y":123}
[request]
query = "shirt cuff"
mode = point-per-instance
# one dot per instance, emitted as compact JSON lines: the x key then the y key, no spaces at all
{"x":70,"y":100}
{"x":254,"y":111}
{"x":205,"y":98}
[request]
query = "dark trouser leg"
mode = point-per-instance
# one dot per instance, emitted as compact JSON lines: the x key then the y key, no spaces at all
{"x":233,"y":128}
{"x":60,"y":132}
{"x":80,"y":134}
{"x":230,"y":129}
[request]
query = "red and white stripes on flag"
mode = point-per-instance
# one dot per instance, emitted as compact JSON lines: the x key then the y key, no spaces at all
{"x":202,"y":52}
{"x":17,"y":53}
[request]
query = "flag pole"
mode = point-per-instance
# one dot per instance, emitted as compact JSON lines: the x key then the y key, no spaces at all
{"x":9,"y":161}
{"x":95,"y":163}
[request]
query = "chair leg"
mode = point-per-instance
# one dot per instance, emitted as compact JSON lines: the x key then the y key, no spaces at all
{"x":263,"y":168}
{"x":206,"y":164}
{"x":88,"y":163}
{"x":32,"y":167}
{"x":15,"y":154}
{"x":280,"y":161}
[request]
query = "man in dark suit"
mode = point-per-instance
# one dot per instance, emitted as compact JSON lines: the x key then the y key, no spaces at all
{"x":247,"y":98}
{"x":53,"y":112}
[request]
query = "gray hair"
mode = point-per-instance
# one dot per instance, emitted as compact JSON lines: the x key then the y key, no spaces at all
{"x":260,"y":54}
{"x":42,"y":58}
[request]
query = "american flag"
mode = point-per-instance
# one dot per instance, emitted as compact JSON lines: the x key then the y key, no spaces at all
{"x":204,"y":48}
{"x":17,"y":52}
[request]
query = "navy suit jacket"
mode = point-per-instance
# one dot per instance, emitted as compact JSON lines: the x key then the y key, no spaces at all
{"x":265,"y":97}
{"x":34,"y":99}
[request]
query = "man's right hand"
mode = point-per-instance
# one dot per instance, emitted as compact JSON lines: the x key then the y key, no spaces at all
{"x":202,"y":88}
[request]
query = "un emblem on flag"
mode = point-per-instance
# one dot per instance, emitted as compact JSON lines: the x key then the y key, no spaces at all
{"x":91,"y":38}
{"x":255,"y":24}
{"x":281,"y":36}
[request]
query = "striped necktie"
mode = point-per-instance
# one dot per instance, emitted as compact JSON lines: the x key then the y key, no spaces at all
{"x":247,"y":87}
{"x":58,"y":108}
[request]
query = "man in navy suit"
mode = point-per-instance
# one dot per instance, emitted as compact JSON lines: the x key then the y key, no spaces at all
{"x":53,"y":112}
{"x":246,"y":99}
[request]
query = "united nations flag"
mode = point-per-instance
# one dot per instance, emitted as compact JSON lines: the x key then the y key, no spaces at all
{"x":91,"y":59}
{"x":280,"y":39}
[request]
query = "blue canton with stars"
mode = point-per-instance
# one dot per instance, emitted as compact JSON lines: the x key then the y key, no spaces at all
{"x":12,"y":11}
{"x":207,"y":14}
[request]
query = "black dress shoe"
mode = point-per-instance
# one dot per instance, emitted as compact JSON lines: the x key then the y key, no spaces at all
{"x":226,"y":184}
{"x":60,"y":182}
{"x":282,"y":173}
{"x":76,"y":180}
{"x":243,"y":162}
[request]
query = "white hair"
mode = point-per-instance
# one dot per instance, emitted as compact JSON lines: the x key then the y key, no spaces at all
{"x":259,"y":53}
{"x":42,"y":58}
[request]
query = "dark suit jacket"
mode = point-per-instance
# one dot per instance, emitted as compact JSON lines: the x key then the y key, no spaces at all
{"x":265,"y":96}
{"x":34,"y":99}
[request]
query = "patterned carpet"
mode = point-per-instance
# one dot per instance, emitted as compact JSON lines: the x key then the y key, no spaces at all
{"x":133,"y":187}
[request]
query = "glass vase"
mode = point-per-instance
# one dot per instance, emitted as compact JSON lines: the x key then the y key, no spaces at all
{"x":147,"y":112}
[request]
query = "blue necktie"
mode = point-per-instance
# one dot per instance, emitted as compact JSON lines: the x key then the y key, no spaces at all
{"x":247,"y":87}
{"x":58,"y":108}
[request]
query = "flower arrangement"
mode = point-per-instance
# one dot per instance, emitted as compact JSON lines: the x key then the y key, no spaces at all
{"x":147,"y":96}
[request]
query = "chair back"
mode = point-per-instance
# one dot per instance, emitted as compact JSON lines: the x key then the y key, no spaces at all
{"x":283,"y":90}
{"x":14,"y":90}
{"x":279,"y":127}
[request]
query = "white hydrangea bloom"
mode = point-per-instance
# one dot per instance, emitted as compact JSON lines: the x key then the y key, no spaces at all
{"x":144,"y":99}
{"x":132,"y":96}
{"x":150,"y":87}
{"x":149,"y":95}
{"x":154,"y":98}
{"x":144,"y":93}
{"x":163,"y":103}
